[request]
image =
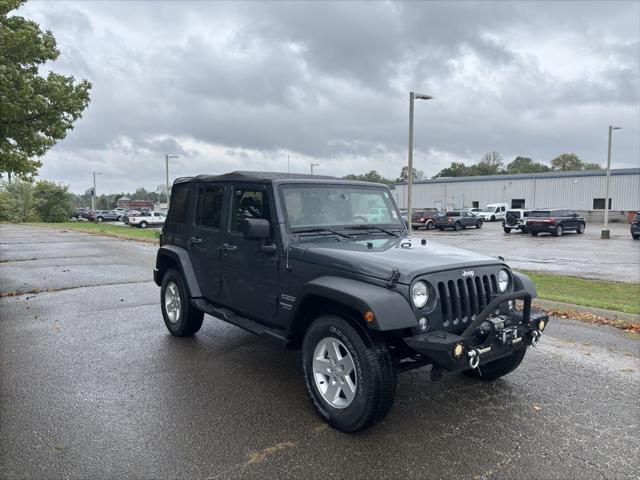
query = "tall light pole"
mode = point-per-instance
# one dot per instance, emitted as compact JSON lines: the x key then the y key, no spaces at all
{"x":314,"y":165}
{"x":605,"y":234}
{"x":166,"y":159}
{"x":412,"y":97}
{"x":93,"y":197}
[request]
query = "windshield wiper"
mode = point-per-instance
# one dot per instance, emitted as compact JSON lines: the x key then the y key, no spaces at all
{"x":371,"y":227}
{"x":321,"y":230}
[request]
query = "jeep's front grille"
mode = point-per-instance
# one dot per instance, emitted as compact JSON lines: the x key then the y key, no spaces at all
{"x":462,"y":300}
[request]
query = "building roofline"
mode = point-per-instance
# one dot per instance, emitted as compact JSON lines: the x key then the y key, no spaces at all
{"x":526,"y":176}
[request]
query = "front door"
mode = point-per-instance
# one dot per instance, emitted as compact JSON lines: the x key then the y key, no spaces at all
{"x":207,"y":235}
{"x":250,"y":275}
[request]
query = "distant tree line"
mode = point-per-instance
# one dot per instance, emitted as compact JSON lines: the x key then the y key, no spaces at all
{"x":491,"y":163}
{"x":110,"y":201}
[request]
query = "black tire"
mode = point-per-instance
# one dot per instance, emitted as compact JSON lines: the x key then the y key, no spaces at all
{"x":430,"y":225}
{"x":143,"y":224}
{"x":497,"y":368}
{"x":120,"y":218}
{"x":635,"y":237}
{"x":506,"y":229}
{"x":441,"y":229}
{"x":100,"y":219}
{"x":493,"y":218}
{"x":534,"y":234}
{"x":523,"y":229}
{"x":457,"y":226}
{"x":189,"y":319}
{"x":558,"y":231}
{"x":479,"y":224}
{"x":375,"y":375}
{"x":581,"y":228}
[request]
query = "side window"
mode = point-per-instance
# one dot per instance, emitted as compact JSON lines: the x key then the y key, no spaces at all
{"x":209,"y":206}
{"x":248,"y":203}
{"x":179,"y":203}
{"x":502,"y":208}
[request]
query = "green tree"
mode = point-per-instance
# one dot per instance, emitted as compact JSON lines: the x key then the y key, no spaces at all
{"x":52,"y":201}
{"x":490,"y":164}
{"x":417,"y":175}
{"x":36,"y":111}
{"x":592,"y":166}
{"x":526,"y":165}
{"x":372,"y":176}
{"x":16,"y":201}
{"x":456,"y":169}
{"x":566,"y":162}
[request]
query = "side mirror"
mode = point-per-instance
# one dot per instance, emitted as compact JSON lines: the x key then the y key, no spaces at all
{"x":255,"y":228}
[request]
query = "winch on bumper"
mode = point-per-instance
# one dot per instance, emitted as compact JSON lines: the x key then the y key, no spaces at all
{"x":488,"y":337}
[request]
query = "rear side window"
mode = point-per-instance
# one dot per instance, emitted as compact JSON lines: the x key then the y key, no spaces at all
{"x":539,"y":213}
{"x":179,"y":203}
{"x":209,"y":207}
{"x":248,"y":203}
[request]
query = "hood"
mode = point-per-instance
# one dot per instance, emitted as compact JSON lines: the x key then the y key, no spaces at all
{"x":378,"y":257}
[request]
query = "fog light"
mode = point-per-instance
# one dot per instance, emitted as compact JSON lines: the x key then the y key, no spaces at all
{"x":458,"y":350}
{"x":541,"y":325}
{"x":423,"y":323}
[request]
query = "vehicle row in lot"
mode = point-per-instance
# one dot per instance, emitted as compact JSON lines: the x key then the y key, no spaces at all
{"x":457,"y":220}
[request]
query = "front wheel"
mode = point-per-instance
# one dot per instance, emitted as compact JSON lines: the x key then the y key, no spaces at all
{"x":534,"y":234}
{"x":507,"y":230}
{"x":635,"y":237}
{"x":143,"y":224}
{"x":430,"y":225}
{"x":581,"y":228}
{"x":348,"y":373}
{"x":457,"y":226}
{"x":497,"y":368}
{"x":479,"y":224}
{"x":100,"y":219}
{"x":493,"y":218}
{"x":181,"y":318}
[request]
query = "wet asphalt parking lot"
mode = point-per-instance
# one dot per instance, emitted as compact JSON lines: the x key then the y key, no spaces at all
{"x":93,"y":386}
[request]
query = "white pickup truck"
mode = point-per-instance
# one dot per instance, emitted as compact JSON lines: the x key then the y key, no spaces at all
{"x":145,"y":219}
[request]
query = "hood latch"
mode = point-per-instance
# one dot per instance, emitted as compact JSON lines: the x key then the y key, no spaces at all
{"x":393,"y":278}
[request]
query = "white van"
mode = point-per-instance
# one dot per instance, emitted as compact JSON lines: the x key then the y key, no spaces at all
{"x":493,"y":212}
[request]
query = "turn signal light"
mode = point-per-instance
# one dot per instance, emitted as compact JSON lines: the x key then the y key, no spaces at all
{"x":368,"y":316}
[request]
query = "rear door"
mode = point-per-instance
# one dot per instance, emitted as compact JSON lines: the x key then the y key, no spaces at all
{"x":250,"y":276}
{"x":207,"y":236}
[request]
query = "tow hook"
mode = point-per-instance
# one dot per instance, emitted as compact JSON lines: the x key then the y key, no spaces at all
{"x":474,"y":356}
{"x":536,"y":335}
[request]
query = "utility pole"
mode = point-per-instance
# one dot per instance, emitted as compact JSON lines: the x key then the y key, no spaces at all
{"x":606,"y":234}
{"x":93,"y":196}
{"x":166,"y":159}
{"x":412,"y":97}
{"x":314,"y":165}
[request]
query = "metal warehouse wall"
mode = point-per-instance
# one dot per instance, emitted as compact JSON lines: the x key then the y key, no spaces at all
{"x":574,"y":192}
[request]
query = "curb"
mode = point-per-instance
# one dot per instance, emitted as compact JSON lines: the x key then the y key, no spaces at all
{"x":599,"y":312}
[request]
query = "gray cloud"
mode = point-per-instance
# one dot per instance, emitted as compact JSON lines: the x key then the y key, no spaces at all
{"x":244,"y":84}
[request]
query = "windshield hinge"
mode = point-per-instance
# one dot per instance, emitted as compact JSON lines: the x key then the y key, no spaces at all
{"x":393,"y":277}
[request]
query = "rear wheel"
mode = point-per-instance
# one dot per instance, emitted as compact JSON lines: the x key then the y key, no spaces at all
{"x":635,"y":237}
{"x":100,"y":219}
{"x":507,"y":230}
{"x":181,"y":318}
{"x":441,"y":229}
{"x":497,"y":368}
{"x":430,"y":225}
{"x":581,"y":228}
{"x":534,"y":234}
{"x":348,"y":373}
{"x":143,"y":224}
{"x":479,"y":224}
{"x":558,"y":231}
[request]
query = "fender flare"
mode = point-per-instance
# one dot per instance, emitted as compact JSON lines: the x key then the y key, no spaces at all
{"x":523,"y":282}
{"x":390,"y":309}
{"x":182,"y":258}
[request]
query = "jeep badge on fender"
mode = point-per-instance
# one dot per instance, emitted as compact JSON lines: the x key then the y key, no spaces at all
{"x":325,"y":265}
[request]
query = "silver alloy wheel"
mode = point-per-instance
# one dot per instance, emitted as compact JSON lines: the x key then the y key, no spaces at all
{"x":334,"y":372}
{"x":172,"y":302}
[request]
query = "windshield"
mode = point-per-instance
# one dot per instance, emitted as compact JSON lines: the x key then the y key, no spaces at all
{"x":489,"y":209}
{"x":328,"y":205}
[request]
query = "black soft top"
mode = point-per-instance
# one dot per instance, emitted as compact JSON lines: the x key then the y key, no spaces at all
{"x":267,"y":177}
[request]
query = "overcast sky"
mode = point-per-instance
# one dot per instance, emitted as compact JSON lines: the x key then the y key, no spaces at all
{"x":239,"y":86}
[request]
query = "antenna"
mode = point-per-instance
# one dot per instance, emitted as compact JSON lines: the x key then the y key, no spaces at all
{"x":288,"y":166}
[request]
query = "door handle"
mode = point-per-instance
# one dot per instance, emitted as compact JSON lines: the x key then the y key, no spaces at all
{"x":229,"y":248}
{"x":195,"y":240}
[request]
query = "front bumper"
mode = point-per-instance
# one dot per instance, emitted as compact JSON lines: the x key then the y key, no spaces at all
{"x":488,"y":337}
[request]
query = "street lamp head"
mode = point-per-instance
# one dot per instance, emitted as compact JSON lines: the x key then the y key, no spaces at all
{"x":615,"y":128}
{"x":173,"y":156}
{"x":421,"y":96}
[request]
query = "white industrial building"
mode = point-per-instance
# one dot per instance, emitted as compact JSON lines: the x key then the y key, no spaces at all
{"x":582,"y":191}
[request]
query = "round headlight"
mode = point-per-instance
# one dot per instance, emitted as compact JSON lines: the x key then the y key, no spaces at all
{"x":419,"y":294}
{"x":503,"y":280}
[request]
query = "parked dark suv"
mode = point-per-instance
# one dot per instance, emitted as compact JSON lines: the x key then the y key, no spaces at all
{"x":325,"y":265}
{"x":635,"y":227}
{"x":555,"y":222}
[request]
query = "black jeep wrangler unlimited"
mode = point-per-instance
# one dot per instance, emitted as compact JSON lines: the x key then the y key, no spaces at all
{"x":325,"y":265}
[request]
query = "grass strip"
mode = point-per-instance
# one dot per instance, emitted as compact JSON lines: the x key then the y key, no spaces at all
{"x":609,"y":295}
{"x":150,"y":235}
